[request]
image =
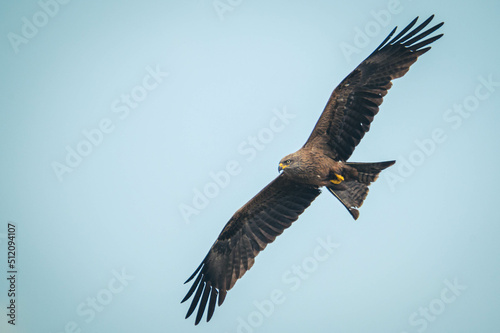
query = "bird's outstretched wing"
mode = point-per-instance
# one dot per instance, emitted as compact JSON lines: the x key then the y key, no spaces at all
{"x":247,"y":233}
{"x":356,"y":100}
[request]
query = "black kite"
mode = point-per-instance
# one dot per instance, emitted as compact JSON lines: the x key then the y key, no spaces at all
{"x":322,"y":161}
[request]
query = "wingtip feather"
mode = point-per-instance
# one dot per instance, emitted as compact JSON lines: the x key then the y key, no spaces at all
{"x":203,"y":303}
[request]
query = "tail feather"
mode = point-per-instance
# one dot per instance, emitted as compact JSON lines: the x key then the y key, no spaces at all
{"x":368,"y":172}
{"x":353,"y":192}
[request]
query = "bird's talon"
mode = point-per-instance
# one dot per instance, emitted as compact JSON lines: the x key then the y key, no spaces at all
{"x":339,"y":179}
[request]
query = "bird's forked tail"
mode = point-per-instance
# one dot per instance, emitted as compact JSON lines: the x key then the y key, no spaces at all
{"x":353,"y":192}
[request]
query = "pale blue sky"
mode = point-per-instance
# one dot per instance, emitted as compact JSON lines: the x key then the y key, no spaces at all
{"x":157,"y":98}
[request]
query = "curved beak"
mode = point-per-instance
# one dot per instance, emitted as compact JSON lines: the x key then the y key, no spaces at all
{"x":280,"y":167}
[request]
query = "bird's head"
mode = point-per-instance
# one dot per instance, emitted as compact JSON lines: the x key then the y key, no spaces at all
{"x":289,"y":162}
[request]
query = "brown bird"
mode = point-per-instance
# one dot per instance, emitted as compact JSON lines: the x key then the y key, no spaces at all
{"x":322,"y":161}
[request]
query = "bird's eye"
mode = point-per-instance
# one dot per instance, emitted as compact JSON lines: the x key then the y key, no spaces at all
{"x":288,"y":161}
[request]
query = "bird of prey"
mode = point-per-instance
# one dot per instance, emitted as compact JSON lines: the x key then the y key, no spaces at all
{"x":321,"y":162}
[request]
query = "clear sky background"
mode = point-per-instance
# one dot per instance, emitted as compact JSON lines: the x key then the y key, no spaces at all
{"x":130,"y":132}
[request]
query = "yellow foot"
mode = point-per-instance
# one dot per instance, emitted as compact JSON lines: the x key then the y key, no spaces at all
{"x":339,"y":179}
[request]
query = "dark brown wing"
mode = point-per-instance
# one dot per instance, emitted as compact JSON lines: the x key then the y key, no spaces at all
{"x":356,"y":100}
{"x":247,"y":233}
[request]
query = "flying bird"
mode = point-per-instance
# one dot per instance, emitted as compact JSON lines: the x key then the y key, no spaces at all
{"x":321,"y":162}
